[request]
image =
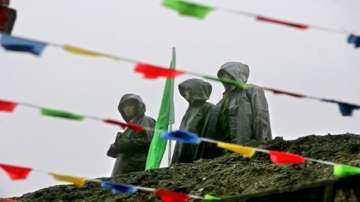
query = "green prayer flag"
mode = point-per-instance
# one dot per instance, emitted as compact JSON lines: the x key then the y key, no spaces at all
{"x":165,"y":118}
{"x":61,"y":114}
{"x":209,"y":197}
{"x":236,"y":83}
{"x":188,"y":9}
{"x":345,"y":170}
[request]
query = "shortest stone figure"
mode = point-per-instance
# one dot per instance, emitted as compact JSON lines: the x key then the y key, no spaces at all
{"x":131,"y":148}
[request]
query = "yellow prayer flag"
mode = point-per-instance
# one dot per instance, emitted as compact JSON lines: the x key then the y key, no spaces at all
{"x":246,"y":152}
{"x":82,"y":52}
{"x":77,"y":181}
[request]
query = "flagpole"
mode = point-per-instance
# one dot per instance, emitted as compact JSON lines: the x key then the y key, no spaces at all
{"x":173,"y":62}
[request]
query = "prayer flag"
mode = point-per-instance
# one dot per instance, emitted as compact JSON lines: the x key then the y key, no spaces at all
{"x":285,"y":158}
{"x":61,"y":114}
{"x":77,"y":181}
{"x":154,"y":72}
{"x":8,"y":200}
{"x":346,"y":109}
{"x":119,"y":188}
{"x":123,"y":125}
{"x":4,"y":2}
{"x":182,"y":136}
{"x":236,"y":83}
{"x":12,"y":43}
{"x":7,"y":18}
{"x":209,"y":197}
{"x":246,"y":152}
{"x":282,"y":22}
{"x":188,"y":9}
{"x":7,"y":106}
{"x":81,"y":51}
{"x":16,"y":172}
{"x":345,"y":170}
{"x":169,"y":196}
{"x":354,"y":39}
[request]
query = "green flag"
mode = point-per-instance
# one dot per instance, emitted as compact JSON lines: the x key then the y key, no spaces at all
{"x":209,"y":197}
{"x":61,"y":114}
{"x":165,"y":118}
{"x":345,"y":170}
{"x":236,"y":83}
{"x":188,"y":9}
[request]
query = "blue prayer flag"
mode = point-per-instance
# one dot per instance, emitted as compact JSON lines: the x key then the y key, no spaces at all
{"x":354,"y":39}
{"x":12,"y":43}
{"x":119,"y":188}
{"x":182,"y":136}
{"x":346,"y":109}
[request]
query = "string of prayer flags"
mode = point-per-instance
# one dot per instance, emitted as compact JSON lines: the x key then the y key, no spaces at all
{"x":170,"y":196}
{"x":346,"y":109}
{"x":246,"y":152}
{"x":16,"y":172}
{"x":154,"y":72}
{"x":21,"y":173}
{"x":188,"y":9}
{"x":354,"y":39}
{"x":61,"y":114}
{"x":183,"y":136}
{"x":341,"y":170}
{"x":119,"y":188}
{"x":277,"y":157}
{"x":191,"y":138}
{"x":77,"y":181}
{"x":12,"y":43}
{"x":201,"y":11}
{"x":285,"y":158}
{"x":7,"y":106}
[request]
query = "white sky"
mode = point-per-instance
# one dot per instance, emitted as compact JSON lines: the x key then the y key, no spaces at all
{"x":309,"y":62}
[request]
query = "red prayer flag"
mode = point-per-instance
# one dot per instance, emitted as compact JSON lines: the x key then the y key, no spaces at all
{"x":281,"y":22}
{"x":169,"y":196}
{"x":285,"y":158}
{"x":7,"y":106}
{"x":4,"y":2}
{"x":123,"y":125}
{"x":16,"y":172}
{"x":154,"y":72}
{"x":8,"y":200}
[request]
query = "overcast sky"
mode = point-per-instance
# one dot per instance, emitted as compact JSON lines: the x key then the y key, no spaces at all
{"x":310,"y":62}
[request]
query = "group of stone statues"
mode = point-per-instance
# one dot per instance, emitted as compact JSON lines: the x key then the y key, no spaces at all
{"x":240,"y":116}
